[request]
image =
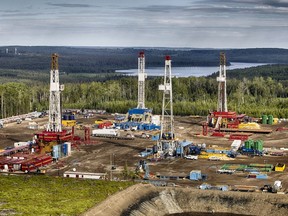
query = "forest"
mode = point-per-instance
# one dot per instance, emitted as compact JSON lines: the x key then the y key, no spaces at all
{"x":95,"y":60}
{"x":192,"y":96}
{"x":25,"y":84}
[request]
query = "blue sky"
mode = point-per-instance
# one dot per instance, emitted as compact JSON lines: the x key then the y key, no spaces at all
{"x":152,"y":23}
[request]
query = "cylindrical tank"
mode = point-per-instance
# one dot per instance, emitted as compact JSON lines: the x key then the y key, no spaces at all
{"x":264,"y":119}
{"x":270,"y":119}
{"x":155,"y":149}
{"x":65,"y":117}
{"x":258,"y":145}
{"x":71,"y":117}
{"x":247,"y":144}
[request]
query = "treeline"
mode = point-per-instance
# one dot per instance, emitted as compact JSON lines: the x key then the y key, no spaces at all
{"x":279,"y":72}
{"x":192,"y":96}
{"x":107,"y":60}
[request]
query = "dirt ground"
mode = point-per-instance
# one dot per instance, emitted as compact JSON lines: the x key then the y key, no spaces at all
{"x":148,"y":200}
{"x":100,"y":156}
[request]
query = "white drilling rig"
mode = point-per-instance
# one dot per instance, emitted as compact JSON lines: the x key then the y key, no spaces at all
{"x":55,"y":116}
{"x":166,"y":143}
{"x":141,"y":81}
{"x":222,"y":94}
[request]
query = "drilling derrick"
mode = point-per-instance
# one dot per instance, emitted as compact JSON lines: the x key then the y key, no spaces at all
{"x":54,"y":135}
{"x":166,"y":144}
{"x":141,"y":81}
{"x":222,"y":95}
{"x":54,"y":124}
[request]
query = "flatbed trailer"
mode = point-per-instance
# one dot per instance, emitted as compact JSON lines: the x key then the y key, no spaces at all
{"x":262,"y":131}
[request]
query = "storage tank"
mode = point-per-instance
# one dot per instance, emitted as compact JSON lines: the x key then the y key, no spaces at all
{"x":264,"y":119}
{"x":258,"y":145}
{"x":71,"y":117}
{"x":65,"y":117}
{"x":155,"y":149}
{"x":270,"y":119}
{"x":105,"y":132}
{"x":247,"y":144}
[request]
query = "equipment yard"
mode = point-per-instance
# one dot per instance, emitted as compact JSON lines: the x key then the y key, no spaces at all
{"x":110,"y":156}
{"x":104,"y":153}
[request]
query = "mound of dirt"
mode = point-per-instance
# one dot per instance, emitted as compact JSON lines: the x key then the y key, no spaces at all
{"x":147,"y":200}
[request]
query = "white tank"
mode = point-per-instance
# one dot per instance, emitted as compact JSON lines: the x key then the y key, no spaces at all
{"x":105,"y":132}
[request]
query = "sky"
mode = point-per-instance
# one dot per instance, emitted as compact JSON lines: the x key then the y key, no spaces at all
{"x":148,"y":23}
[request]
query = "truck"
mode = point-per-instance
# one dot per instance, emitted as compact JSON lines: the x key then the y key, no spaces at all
{"x":105,"y":132}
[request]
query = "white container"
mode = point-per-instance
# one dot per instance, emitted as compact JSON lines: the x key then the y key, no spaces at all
{"x":155,"y":119}
{"x":105,"y":132}
{"x":18,"y":144}
{"x":68,"y":148}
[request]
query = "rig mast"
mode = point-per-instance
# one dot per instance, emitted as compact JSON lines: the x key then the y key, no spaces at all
{"x":222,"y":94}
{"x":55,"y":117}
{"x":141,"y":81}
{"x":166,"y":143}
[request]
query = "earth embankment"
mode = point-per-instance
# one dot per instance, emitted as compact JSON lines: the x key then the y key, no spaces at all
{"x":147,"y":200}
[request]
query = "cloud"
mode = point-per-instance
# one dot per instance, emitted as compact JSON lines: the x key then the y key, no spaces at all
{"x":159,"y":8}
{"x":277,"y":3}
{"x":69,"y":5}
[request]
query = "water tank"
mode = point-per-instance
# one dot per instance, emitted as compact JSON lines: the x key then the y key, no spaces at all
{"x":270,"y":119}
{"x":155,"y":149}
{"x":71,"y":117}
{"x":65,"y":117}
{"x":247,"y":144}
{"x":264,"y":119}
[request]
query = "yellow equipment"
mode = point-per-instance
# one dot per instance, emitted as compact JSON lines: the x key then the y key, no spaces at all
{"x":249,"y":125}
{"x":68,"y":123}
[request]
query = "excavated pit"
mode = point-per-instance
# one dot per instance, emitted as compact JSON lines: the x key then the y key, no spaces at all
{"x":147,"y":200}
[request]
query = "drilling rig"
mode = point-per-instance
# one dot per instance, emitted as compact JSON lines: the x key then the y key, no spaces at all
{"x":222,"y":93}
{"x":166,"y":144}
{"x":53,"y":134}
{"x":140,"y":114}
{"x":141,"y":81}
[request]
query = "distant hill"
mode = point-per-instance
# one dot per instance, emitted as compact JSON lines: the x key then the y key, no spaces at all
{"x":107,"y":59}
{"x":278,"y":72}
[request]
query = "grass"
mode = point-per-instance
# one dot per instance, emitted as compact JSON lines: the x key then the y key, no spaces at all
{"x":45,"y":195}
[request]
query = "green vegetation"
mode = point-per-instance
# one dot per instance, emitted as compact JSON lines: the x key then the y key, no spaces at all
{"x":91,"y":82}
{"x":107,"y":60}
{"x":192,"y":96}
{"x":44,"y":195}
